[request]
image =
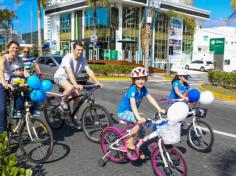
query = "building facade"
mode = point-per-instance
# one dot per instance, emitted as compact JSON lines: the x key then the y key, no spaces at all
{"x":118,"y":31}
{"x":220,"y":42}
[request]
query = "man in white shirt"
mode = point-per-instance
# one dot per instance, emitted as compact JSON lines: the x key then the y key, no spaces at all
{"x":72,"y":64}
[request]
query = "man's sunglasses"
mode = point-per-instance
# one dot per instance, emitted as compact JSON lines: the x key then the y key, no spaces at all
{"x":26,"y":51}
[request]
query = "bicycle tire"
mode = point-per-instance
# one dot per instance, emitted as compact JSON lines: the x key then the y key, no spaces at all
{"x":178,"y":164}
{"x":53,"y":114}
{"x":91,"y":130}
{"x":111,"y":134}
{"x":191,"y":136}
{"x":43,"y":131}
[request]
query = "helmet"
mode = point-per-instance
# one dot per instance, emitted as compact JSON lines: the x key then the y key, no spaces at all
{"x":182,"y":73}
{"x":16,"y":66}
{"x":138,"y":72}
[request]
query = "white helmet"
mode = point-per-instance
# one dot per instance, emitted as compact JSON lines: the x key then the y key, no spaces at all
{"x":138,"y":72}
{"x":182,"y":73}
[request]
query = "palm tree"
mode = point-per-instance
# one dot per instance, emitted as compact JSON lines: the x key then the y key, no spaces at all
{"x":6,"y":17}
{"x":41,"y":4}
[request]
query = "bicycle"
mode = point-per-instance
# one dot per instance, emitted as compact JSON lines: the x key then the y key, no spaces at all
{"x":165,"y":159}
{"x":94,"y":118}
{"x":35,"y":137}
{"x":200,"y":134}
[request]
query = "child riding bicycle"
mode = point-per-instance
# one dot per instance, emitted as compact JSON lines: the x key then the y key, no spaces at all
{"x":17,"y":80}
{"x":128,"y":108}
{"x":180,"y":86}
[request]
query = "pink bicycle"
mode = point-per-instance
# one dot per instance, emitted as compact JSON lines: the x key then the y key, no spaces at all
{"x":166,"y":159}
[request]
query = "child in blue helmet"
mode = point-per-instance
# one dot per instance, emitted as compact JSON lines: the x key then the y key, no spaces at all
{"x":128,"y":108}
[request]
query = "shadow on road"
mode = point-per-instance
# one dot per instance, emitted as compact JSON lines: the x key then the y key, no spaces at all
{"x":226,"y":163}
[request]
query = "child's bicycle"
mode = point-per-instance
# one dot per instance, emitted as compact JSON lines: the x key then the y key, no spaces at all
{"x":166,"y":159}
{"x":200,"y":135}
{"x":94,"y":119}
{"x":35,"y":137}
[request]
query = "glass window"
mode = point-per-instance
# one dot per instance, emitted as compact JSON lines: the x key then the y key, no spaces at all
{"x":65,"y":23}
{"x":205,"y":38}
{"x":41,"y":60}
{"x":209,"y":62}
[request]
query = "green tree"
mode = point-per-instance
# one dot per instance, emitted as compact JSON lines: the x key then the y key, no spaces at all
{"x":6,"y":18}
{"x":233,"y":5}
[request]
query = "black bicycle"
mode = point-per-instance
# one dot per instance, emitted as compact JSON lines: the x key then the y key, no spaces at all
{"x":35,"y":137}
{"x":94,"y":119}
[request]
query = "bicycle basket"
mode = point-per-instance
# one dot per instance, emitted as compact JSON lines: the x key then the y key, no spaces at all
{"x":170,"y":134}
{"x":201,"y":112}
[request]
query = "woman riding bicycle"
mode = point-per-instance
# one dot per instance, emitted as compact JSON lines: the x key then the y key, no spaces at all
{"x":72,"y":64}
{"x":128,"y":108}
{"x":5,"y":72}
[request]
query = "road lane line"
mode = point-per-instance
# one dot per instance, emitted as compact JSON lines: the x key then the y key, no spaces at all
{"x":219,"y":132}
{"x":224,"y":133}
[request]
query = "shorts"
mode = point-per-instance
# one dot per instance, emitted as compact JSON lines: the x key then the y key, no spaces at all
{"x":127,"y":116}
{"x":58,"y":80}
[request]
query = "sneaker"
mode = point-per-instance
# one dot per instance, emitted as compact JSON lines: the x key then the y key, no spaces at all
{"x":78,"y":123}
{"x":64,"y":108}
{"x":36,"y":113}
{"x":17,"y":115}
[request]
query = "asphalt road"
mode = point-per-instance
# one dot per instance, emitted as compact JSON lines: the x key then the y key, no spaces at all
{"x":74,"y":155}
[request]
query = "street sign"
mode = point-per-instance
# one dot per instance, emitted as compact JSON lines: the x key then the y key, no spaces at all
{"x":93,"y":38}
{"x":217,"y":45}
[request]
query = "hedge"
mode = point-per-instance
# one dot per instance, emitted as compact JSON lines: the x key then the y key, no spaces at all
{"x":221,"y":78}
{"x":111,"y":69}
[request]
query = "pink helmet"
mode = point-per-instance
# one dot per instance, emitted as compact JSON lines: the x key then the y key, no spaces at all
{"x":138,"y":72}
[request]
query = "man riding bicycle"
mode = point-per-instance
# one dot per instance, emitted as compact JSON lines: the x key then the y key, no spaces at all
{"x":72,"y":64}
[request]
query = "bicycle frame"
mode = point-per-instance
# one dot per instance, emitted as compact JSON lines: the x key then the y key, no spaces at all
{"x":152,"y":135}
{"x":25,"y":120}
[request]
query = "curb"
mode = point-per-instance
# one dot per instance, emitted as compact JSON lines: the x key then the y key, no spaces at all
{"x":218,"y":95}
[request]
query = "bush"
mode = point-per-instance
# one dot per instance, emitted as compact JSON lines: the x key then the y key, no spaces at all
{"x":8,"y":161}
{"x":221,"y":78}
{"x":110,"y":69}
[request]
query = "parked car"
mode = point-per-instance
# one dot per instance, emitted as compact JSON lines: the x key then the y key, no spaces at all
{"x":50,"y":64}
{"x":201,"y":65}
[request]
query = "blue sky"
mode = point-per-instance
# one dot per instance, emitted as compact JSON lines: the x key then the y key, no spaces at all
{"x":220,"y":10}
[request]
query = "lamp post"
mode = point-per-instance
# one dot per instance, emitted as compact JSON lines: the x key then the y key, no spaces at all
{"x":148,"y":25}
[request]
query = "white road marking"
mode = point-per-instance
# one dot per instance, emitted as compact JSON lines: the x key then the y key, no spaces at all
{"x":225,"y":134}
{"x":219,"y":132}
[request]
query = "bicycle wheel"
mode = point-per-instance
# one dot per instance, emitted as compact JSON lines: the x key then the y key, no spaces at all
{"x":53,"y":114}
{"x":36,"y":141}
{"x":94,"y":119}
{"x":202,"y":139}
{"x":176,"y":166}
{"x":109,"y":136}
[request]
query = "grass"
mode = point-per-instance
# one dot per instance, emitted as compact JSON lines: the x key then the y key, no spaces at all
{"x":220,"y":90}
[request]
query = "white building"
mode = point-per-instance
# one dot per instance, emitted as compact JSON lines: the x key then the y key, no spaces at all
{"x":201,"y":47}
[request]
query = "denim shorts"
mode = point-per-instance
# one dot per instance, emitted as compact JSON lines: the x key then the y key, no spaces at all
{"x":127,"y":116}
{"x":58,"y":80}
